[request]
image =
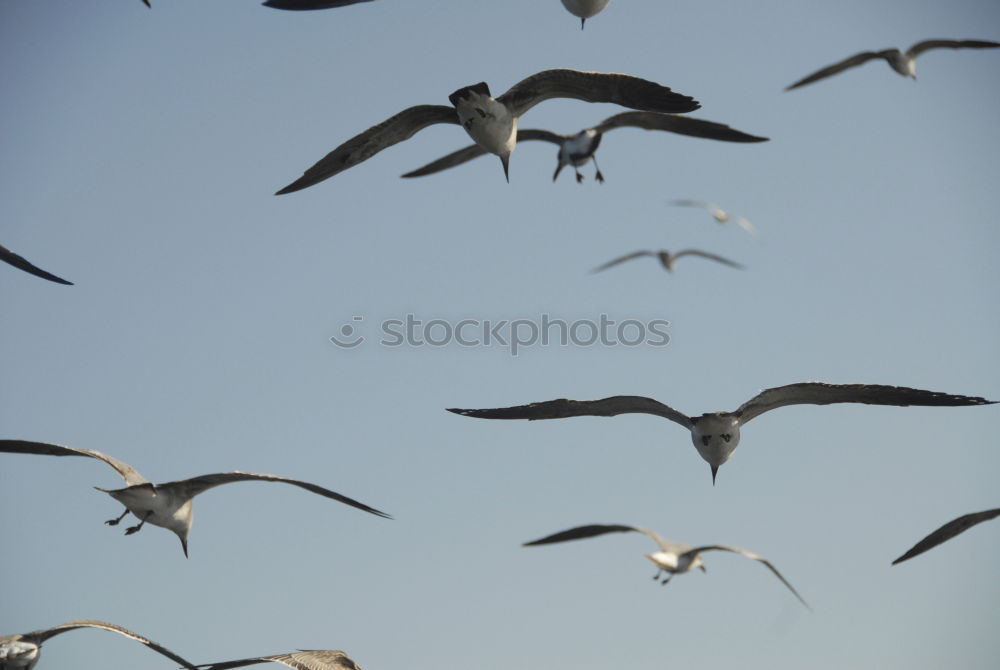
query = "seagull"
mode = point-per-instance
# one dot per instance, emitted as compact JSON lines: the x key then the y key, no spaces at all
{"x":719,"y":214}
{"x":667,"y":258}
{"x":310,"y":4}
{"x":169,"y":504}
{"x":903,"y":62}
{"x":577,"y":149}
{"x":584,"y":8}
{"x":314,"y":659}
{"x":492,"y":122}
{"x":673,"y":558}
{"x":22,"y":263}
{"x":716,"y":434}
{"x":948,"y":531}
{"x":21,"y":652}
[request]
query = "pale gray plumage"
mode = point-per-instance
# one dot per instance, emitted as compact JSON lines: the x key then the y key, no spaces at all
{"x":22,"y":651}
{"x":948,"y":531}
{"x":719,"y":214}
{"x":308,"y":659}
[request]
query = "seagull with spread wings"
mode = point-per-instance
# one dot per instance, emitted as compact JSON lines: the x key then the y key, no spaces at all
{"x":169,"y":504}
{"x":577,"y":149}
{"x":903,"y":62}
{"x":667,"y":259}
{"x":948,"y":531}
{"x":716,"y":434}
{"x":21,"y":652}
{"x":673,"y":558}
{"x":22,"y":263}
{"x":306,"y":659}
{"x":719,"y":214}
{"x":492,"y":122}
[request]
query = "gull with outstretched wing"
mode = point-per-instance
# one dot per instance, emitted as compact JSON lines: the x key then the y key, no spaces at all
{"x":667,"y":259}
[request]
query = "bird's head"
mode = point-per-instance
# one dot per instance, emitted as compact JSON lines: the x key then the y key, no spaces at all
{"x":715,"y":436}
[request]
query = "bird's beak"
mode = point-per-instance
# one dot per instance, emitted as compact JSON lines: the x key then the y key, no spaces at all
{"x":184,"y":544}
{"x":715,"y":469}
{"x":506,"y":164}
{"x":582,"y":21}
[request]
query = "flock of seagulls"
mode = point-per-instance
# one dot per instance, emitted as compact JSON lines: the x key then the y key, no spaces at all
{"x":492,"y":124}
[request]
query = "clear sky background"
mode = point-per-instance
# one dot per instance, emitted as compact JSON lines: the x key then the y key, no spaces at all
{"x":140,"y":152}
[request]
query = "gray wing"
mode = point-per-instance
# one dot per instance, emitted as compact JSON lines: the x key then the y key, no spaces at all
{"x":314,"y":659}
{"x":310,"y":4}
{"x":948,"y":531}
{"x":22,"y":263}
{"x":620,"y":89}
{"x":475,"y":151}
{"x":819,"y":393}
{"x":195,"y":485}
{"x":361,"y":147}
{"x":749,"y":554}
{"x":682,"y":125}
{"x":622,"y":259}
{"x":921,"y":47}
{"x":563,"y":408}
{"x":713,"y":257}
{"x":593,"y":530}
{"x":847,"y":63}
{"x":40,"y":636}
{"x":127,"y":472}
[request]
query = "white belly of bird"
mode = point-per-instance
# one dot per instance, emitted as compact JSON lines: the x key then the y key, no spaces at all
{"x":488,"y":123}
{"x":18,"y":655}
{"x":578,"y":149}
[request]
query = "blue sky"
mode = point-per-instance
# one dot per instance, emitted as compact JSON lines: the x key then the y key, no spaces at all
{"x":141,"y":149}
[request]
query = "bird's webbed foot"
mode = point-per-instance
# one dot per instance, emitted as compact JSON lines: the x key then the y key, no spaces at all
{"x":665,"y":580}
{"x":115,"y":522}
{"x":135,"y":529}
{"x":579,"y":177}
{"x":599,"y":177}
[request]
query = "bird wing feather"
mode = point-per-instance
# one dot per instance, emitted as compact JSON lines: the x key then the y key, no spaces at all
{"x":622,"y":259}
{"x":310,"y":659}
{"x":563,"y":408}
{"x":682,"y":125}
{"x":840,"y":66}
{"x":128,"y":473}
{"x":705,"y":254}
{"x":925,"y":45}
{"x":948,"y":531}
{"x":22,"y":263}
{"x":40,"y":636}
{"x":749,"y":554}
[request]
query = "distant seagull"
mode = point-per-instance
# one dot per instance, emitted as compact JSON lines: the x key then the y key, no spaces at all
{"x":310,"y":4}
{"x":903,"y":62}
{"x":673,"y":558}
{"x":585,"y":8}
{"x":21,"y":652}
{"x":22,"y":263}
{"x":716,"y":434}
{"x":492,"y":123}
{"x":577,"y":149}
{"x":317,"y":659}
{"x":168,"y":504}
{"x":948,"y":531}
{"x":667,"y":259}
{"x":719,"y":214}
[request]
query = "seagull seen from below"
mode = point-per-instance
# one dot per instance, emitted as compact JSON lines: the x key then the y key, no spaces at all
{"x":667,"y":259}
{"x":21,"y":652}
{"x":492,"y":122}
{"x":903,"y":62}
{"x":716,"y":434}
{"x":673,"y":558}
{"x":585,"y":8}
{"x":169,"y":504}
{"x":948,"y":531}
{"x":577,"y":149}
{"x":22,"y":263}
{"x":314,"y":659}
{"x":719,"y":214}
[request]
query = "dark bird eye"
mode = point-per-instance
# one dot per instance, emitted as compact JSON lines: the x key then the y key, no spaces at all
{"x":705,"y":439}
{"x":726,"y":436}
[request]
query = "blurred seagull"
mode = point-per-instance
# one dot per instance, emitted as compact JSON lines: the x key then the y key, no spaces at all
{"x":169,"y":504}
{"x":948,"y":531}
{"x":673,"y":558}
{"x":22,"y":263}
{"x":310,"y":4}
{"x":667,"y":258}
{"x":492,"y":123}
{"x":719,"y":214}
{"x":585,"y":8}
{"x":903,"y":62}
{"x":577,"y":149}
{"x":21,"y":652}
{"x":716,"y":434}
{"x":316,"y":659}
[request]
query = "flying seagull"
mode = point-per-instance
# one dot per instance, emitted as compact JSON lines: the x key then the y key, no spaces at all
{"x":673,"y":558}
{"x":492,"y":123}
{"x":719,"y":214}
{"x":948,"y":531}
{"x":168,"y":504}
{"x":903,"y":62}
{"x":315,"y":659}
{"x":310,"y":4}
{"x":667,"y":258}
{"x":22,"y":263}
{"x":577,"y":149}
{"x":584,"y":8}
{"x":716,"y":434}
{"x":21,"y":652}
